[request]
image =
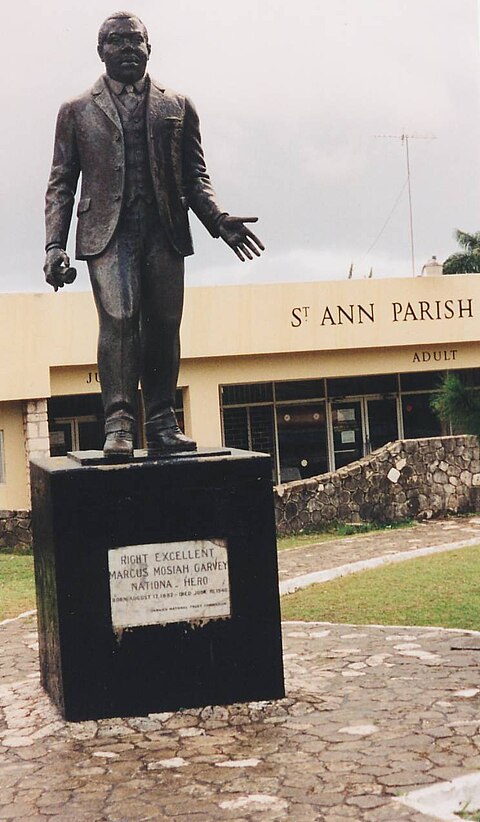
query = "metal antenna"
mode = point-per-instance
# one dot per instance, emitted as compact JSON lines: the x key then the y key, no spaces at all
{"x":405,"y":138}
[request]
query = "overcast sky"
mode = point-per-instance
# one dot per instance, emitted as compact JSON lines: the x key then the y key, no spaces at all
{"x":292,"y":97}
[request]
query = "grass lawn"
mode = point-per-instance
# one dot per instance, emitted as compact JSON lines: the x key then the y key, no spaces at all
{"x":302,"y":540}
{"x":473,"y":816}
{"x":443,"y":589}
{"x":17,"y":587}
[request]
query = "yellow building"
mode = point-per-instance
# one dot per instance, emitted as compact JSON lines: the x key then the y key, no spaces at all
{"x":318,"y":374}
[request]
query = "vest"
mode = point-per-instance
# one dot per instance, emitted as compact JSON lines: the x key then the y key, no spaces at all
{"x":138,"y":179}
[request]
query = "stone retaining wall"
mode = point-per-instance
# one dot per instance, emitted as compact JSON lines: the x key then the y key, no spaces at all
{"x":15,"y":530}
{"x":418,"y":479}
{"x":407,"y":479}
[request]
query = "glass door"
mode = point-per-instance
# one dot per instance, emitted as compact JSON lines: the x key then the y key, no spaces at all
{"x":76,"y":434}
{"x":91,"y":434}
{"x":362,"y":425}
{"x":347,"y":428}
{"x":62,"y":436}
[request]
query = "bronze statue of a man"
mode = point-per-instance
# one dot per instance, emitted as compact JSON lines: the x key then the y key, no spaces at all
{"x":138,"y":149}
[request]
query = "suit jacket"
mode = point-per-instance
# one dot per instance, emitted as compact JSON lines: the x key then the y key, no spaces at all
{"x":89,"y":140}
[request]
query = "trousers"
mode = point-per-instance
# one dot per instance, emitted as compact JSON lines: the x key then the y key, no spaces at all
{"x":138,"y":287}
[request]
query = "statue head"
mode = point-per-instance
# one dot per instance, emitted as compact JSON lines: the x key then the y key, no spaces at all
{"x":123,"y":46}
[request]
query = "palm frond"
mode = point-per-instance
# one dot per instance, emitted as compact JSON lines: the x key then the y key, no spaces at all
{"x":462,"y":263}
{"x":469,"y":242}
{"x":458,"y":404}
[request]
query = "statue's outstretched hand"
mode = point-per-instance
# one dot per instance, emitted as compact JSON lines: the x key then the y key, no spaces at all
{"x":57,"y":268}
{"x":243,"y":241}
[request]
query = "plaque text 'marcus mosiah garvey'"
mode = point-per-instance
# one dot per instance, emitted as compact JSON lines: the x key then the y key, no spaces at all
{"x":169,"y":582}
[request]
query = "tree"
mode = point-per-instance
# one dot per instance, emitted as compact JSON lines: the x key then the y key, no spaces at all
{"x":468,"y":260}
{"x":459,"y":405}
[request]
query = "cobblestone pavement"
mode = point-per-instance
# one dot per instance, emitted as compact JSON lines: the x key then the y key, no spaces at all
{"x":295,"y":562}
{"x":371,"y":713}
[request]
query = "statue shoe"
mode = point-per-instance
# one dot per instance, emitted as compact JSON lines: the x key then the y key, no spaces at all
{"x":118,"y":444}
{"x":164,"y":435}
{"x":119,"y":437}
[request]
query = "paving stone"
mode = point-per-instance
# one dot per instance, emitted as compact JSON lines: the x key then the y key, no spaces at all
{"x":365,"y":802}
{"x":17,"y":741}
{"x":303,"y":813}
{"x":72,"y":817}
{"x":337,"y":748}
{"x":36,"y":818}
{"x":56,"y":798}
{"x":56,"y":808}
{"x":16,"y":810}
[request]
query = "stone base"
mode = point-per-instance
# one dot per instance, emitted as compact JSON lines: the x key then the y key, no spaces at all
{"x":142,"y":455}
{"x":118,"y":545}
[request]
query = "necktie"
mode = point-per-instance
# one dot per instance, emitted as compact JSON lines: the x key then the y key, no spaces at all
{"x":129,"y":98}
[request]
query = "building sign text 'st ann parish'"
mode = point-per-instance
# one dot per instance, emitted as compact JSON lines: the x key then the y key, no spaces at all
{"x":357,"y":314}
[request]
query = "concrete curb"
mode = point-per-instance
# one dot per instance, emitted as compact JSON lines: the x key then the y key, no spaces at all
{"x":20,"y":616}
{"x":433,"y":628}
{"x":288,"y":586}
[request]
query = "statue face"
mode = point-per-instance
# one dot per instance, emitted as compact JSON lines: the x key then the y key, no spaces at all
{"x":125,"y":51}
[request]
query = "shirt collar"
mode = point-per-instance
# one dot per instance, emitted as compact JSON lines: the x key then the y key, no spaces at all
{"x":117,"y":87}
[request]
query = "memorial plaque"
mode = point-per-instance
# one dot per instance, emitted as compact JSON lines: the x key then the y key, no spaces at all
{"x":160,"y":583}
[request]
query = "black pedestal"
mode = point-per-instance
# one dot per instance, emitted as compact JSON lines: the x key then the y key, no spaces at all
{"x":90,"y":519}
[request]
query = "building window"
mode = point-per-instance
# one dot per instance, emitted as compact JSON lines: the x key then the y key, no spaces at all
{"x":422,"y":381}
{"x":2,"y":459}
{"x":382,"y":421}
{"x":250,"y":428}
{"x":419,"y":419}
{"x":75,"y":424}
{"x":300,"y":390}
{"x":309,"y":431}
{"x":469,"y":376}
{"x":179,"y":411}
{"x":359,"y":386}
{"x":247,"y":394}
{"x":235,"y":428}
{"x":261,"y":429}
{"x":302,"y":440}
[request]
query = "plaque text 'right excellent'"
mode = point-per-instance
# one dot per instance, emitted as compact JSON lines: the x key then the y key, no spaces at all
{"x":169,"y":582}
